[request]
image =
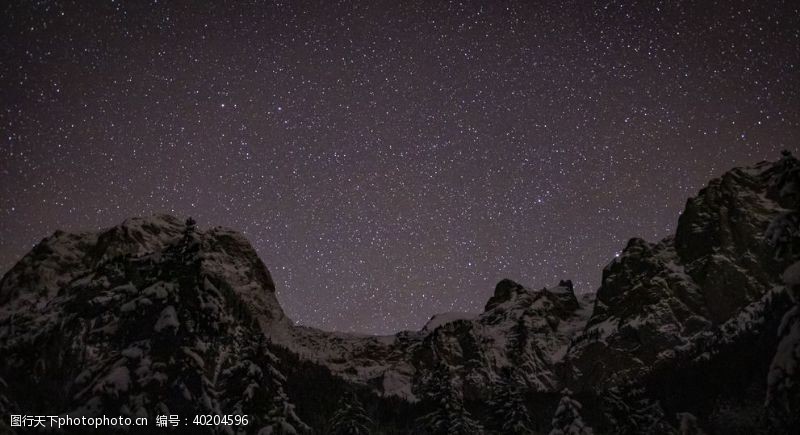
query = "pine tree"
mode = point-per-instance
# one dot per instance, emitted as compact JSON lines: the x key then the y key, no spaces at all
{"x":281,"y":419}
{"x":449,"y":416}
{"x":261,"y":395}
{"x":631,"y":411}
{"x":509,"y":415}
{"x":191,"y":225}
{"x":190,"y":244}
{"x":567,"y":419}
{"x":350,"y":418}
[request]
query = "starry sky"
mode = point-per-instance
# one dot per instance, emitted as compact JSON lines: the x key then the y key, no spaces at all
{"x":389,"y":159}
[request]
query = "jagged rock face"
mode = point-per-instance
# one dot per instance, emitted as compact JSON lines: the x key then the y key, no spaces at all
{"x":658,"y":297}
{"x":504,"y":291}
{"x":644,"y":307}
{"x":522,"y":331}
{"x":721,"y":237}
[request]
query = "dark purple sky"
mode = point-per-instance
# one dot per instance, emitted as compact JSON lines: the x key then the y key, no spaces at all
{"x":389,"y":160}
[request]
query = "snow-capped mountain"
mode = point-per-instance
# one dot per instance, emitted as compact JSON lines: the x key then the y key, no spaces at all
{"x":689,"y":324}
{"x":151,"y":317}
{"x":698,"y":332}
{"x":725,"y":261}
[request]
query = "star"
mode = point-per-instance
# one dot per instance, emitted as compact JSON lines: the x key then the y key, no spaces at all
{"x":389,"y":161}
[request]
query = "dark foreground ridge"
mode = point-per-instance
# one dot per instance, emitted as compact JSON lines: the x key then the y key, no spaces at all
{"x":697,"y":333}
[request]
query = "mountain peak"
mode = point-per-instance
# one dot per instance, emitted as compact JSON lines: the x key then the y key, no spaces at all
{"x":59,"y":259}
{"x":503,"y":291}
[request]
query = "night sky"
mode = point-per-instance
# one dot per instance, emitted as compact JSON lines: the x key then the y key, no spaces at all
{"x":390,"y":160}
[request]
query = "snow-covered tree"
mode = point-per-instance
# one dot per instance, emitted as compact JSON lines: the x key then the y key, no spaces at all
{"x":567,"y":419}
{"x":449,"y":416}
{"x":281,"y":419}
{"x":191,"y":225}
{"x":509,"y":415}
{"x":687,"y":424}
{"x":350,"y":418}
{"x":629,"y":410}
{"x":783,"y":388}
{"x":259,"y":384}
{"x":190,"y":244}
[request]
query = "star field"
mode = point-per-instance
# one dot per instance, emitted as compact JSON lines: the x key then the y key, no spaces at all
{"x":390,"y":160}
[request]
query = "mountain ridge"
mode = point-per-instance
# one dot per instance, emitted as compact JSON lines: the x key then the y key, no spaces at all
{"x":722,"y":283}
